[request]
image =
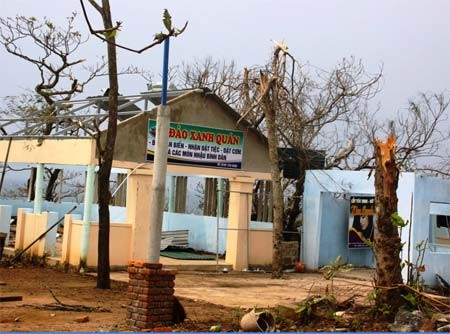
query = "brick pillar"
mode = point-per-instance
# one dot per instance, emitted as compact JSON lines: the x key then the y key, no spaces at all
{"x":150,"y":296}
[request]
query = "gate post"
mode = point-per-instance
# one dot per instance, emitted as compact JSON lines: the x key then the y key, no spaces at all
{"x":239,"y":210}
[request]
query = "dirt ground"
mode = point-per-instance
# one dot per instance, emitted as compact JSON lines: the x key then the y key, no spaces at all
{"x":208,"y":298}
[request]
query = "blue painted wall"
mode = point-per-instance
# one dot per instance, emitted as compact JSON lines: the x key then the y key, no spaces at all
{"x":318,"y":217}
{"x":323,"y":214}
{"x":431,"y":196}
{"x":334,"y":224}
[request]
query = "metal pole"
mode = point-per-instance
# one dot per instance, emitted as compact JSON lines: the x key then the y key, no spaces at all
{"x":159,"y":166}
{"x":88,"y":199}
{"x":38,"y":192}
{"x":248,"y":232}
{"x":219,"y":215}
{"x":172,"y":190}
{"x":219,"y":197}
{"x":165,"y":72}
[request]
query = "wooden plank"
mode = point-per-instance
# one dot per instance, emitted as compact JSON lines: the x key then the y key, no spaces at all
{"x":2,"y":283}
{"x":10,"y":298}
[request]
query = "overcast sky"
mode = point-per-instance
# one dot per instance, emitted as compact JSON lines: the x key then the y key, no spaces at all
{"x":411,"y":39}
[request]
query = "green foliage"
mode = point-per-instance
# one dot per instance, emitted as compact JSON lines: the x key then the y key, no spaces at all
{"x":378,"y":308}
{"x":167,"y":20}
{"x":171,"y":31}
{"x":415,"y":268}
{"x":412,"y":300}
{"x":309,"y":306}
{"x":370,"y":243}
{"x":216,"y":328}
{"x":238,"y":312}
{"x":331,"y":269}
{"x":398,"y":221}
{"x":110,"y":34}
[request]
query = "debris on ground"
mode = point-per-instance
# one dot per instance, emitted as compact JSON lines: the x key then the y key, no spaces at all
{"x":82,"y":319}
{"x":406,"y":321}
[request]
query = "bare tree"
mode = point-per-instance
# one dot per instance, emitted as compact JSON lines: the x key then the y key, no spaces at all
{"x":106,"y":148}
{"x":51,"y":49}
{"x":329,"y":111}
{"x":221,"y":77}
{"x":318,"y":108}
{"x":421,"y":131}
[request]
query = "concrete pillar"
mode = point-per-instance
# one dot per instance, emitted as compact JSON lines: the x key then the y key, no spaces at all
{"x":88,"y":198}
{"x":39,"y":191}
{"x":172,"y":190}
{"x":5,"y":221}
{"x":138,"y":212}
{"x":20,"y":228}
{"x":239,"y":210}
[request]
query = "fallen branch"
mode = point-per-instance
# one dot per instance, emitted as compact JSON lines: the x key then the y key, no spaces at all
{"x":54,"y":296}
{"x":65,"y":307}
{"x":347,"y":303}
{"x":432,"y":300}
{"x":59,"y":306}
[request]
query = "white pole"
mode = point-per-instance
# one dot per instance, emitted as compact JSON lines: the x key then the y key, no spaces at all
{"x":88,"y":199}
{"x":39,"y":189}
{"x":159,"y":182}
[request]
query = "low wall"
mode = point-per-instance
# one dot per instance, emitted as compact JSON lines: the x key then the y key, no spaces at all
{"x":203,"y":231}
{"x":30,"y":226}
{"x":260,"y":247}
{"x":119,"y":244}
{"x":202,"y":236}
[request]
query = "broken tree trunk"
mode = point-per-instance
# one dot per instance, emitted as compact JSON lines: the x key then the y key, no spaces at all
{"x":387,"y":241}
{"x":269,"y":106}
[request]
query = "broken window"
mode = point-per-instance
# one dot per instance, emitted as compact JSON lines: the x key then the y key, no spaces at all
{"x":440,"y":233}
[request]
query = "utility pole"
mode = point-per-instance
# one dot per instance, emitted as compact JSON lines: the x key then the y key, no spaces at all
{"x":159,"y":166}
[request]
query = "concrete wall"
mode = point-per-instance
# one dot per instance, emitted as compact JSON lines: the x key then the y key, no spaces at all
{"x":203,"y":232}
{"x":324,"y":215}
{"x":202,"y":236}
{"x":325,"y":222}
{"x":120,"y":236}
{"x":192,"y":108}
{"x":431,"y":196}
{"x":325,"y":218}
{"x":30,"y":226}
{"x":334,"y":224}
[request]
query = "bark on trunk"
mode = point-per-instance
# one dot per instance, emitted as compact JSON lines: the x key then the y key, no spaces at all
{"x":293,"y":211}
{"x":269,"y":111}
{"x":387,"y":240}
{"x":31,"y":183}
{"x":51,"y":185}
{"x":104,"y":194}
{"x":277,"y":196}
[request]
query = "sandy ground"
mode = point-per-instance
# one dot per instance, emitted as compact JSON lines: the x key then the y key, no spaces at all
{"x":259,"y":290}
{"x":208,"y":298}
